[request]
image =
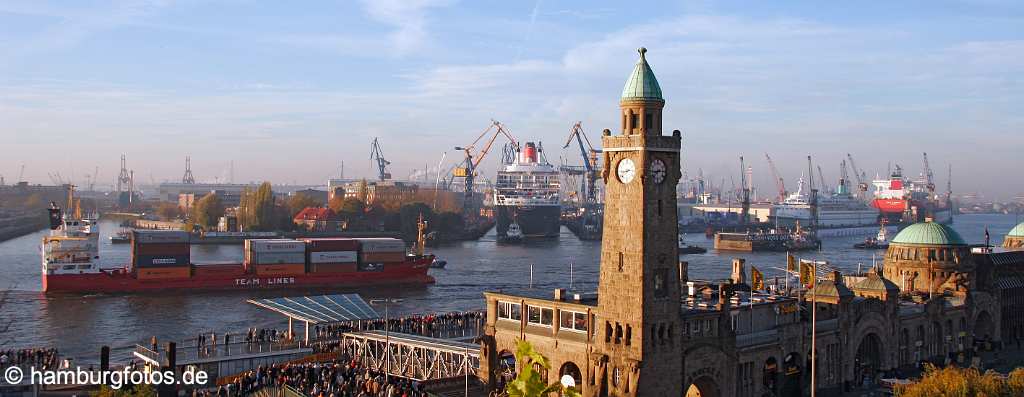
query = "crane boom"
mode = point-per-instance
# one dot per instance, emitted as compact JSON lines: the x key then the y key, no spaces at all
{"x":468,"y":169}
{"x":746,"y":193}
{"x":779,"y":182}
{"x":376,"y":155}
{"x":821,"y":177}
{"x":929,"y":176}
{"x":589,"y":156}
{"x":862,"y":186}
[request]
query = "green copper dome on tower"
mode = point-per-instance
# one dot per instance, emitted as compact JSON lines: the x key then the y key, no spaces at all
{"x":642,"y":84}
{"x":1017,"y":231}
{"x":928,"y":233}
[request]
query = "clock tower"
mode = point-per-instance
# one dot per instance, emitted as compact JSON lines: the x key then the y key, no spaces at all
{"x":638,"y":320}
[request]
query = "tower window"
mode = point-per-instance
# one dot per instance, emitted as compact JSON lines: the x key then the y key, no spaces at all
{"x":659,"y":283}
{"x":618,"y":333}
{"x":621,"y":262}
{"x":633,"y":121}
{"x":648,"y":121}
{"x":629,"y":334}
{"x":659,"y":207}
{"x":607,"y":332}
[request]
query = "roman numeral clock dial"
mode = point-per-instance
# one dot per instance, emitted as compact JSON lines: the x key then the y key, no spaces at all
{"x":658,"y":170}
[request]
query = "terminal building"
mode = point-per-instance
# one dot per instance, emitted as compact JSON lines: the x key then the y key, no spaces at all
{"x":651,"y":331}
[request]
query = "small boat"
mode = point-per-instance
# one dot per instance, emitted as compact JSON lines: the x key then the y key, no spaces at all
{"x":122,"y":237}
{"x":438,"y":263}
{"x":514,"y":233}
{"x":685,"y":248}
{"x":880,"y":241}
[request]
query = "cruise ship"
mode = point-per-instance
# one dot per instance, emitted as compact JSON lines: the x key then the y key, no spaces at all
{"x":526,"y":197}
{"x":836,"y":211}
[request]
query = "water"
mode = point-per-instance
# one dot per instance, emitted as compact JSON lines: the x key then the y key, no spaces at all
{"x":79,"y":325}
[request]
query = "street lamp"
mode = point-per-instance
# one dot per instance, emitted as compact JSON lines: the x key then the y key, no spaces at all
{"x":387,"y":335}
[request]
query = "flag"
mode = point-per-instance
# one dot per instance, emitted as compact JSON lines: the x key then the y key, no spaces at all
{"x":756,"y":279}
{"x":790,"y":262}
{"x":807,"y":273}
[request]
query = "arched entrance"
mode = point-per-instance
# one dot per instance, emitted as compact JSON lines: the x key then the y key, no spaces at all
{"x":571,"y":369}
{"x":791,"y":381}
{"x":904,"y":347}
{"x":505,"y":371}
{"x":868,"y":361}
{"x":703,"y":387}
{"x":770,"y":376}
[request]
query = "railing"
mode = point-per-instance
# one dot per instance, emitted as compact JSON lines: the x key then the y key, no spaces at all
{"x":192,"y":353}
{"x":413,"y":357}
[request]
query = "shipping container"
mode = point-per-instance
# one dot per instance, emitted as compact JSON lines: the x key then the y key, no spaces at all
{"x":382,"y":245}
{"x":159,"y":236}
{"x":332,"y":268}
{"x":382,"y":257}
{"x":161,"y":249}
{"x":163,"y":273}
{"x":160,"y":260}
{"x":274,"y":258}
{"x":333,"y":257}
{"x":289,"y":269}
{"x":275,"y":245}
{"x":331,"y":244}
{"x":218,"y":270}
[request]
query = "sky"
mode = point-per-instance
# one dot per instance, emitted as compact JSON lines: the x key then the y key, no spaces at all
{"x":288,"y":91}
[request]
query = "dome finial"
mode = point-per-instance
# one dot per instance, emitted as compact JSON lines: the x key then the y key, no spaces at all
{"x":642,"y":51}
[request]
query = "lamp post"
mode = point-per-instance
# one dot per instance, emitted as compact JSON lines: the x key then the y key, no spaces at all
{"x":387,"y":333}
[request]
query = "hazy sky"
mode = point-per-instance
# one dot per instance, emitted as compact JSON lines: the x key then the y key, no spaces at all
{"x":288,"y":90}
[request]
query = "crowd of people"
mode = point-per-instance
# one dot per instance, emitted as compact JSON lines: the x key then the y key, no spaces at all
{"x":42,"y":359}
{"x":443,"y":325}
{"x":343,"y":377}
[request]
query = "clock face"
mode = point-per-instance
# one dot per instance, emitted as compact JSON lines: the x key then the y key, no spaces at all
{"x":626,"y":170}
{"x":658,"y":170}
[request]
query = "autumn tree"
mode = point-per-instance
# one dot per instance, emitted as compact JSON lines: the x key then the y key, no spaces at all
{"x":207,"y":211}
{"x":299,"y":201}
{"x":953,"y":381}
{"x":258,"y":210}
{"x":168,"y":211}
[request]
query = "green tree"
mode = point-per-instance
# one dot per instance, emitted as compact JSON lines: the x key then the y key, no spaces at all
{"x":409,"y":215}
{"x":528,"y":382}
{"x":126,"y":391}
{"x":207,"y":211}
{"x":364,"y":190}
{"x":258,"y":210}
{"x":299,"y":201}
{"x":168,"y":211}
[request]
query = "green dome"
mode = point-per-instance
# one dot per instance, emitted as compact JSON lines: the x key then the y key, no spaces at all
{"x":1017,"y":231}
{"x":928,"y":233}
{"x":642,"y":84}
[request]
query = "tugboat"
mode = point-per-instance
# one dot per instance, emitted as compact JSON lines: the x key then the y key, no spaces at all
{"x":514,"y":234}
{"x":878,"y":242}
{"x":685,"y":248}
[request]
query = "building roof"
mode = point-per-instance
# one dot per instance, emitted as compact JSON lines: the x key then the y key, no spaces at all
{"x":831,"y":289}
{"x":1017,"y":231}
{"x":320,"y":308}
{"x":641,"y":83}
{"x":316,"y":214}
{"x":875,"y":282}
{"x":928,"y":233}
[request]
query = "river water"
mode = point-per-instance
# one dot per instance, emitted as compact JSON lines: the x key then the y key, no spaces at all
{"x":79,"y":325}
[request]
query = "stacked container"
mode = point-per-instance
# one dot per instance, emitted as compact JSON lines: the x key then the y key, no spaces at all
{"x":277,"y":257}
{"x":376,"y":253}
{"x":332,"y":255}
{"x":160,"y":254}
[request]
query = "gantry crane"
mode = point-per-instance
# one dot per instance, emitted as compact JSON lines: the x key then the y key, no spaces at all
{"x":589,"y":156}
{"x":862,"y":186}
{"x":467,"y":170}
{"x":929,"y":177}
{"x":821,"y":177}
{"x":779,"y":182}
{"x":376,"y":155}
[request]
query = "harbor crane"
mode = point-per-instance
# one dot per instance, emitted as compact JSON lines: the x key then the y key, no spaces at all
{"x":813,"y":197}
{"x":821,"y":177}
{"x":589,"y":156}
{"x":468,"y":169}
{"x":21,"y":174}
{"x":844,"y":179}
{"x":744,"y":215}
{"x":376,"y":155}
{"x":862,"y":185}
{"x":929,"y":176}
{"x":188,"y":179}
{"x":779,"y":182}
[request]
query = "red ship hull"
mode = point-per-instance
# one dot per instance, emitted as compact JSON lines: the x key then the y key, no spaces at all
{"x":889,"y":205}
{"x":232,"y":277}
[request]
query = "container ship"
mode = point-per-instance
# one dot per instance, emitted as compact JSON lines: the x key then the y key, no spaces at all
{"x":900,"y":200}
{"x":160,"y":260}
{"x":526,"y":197}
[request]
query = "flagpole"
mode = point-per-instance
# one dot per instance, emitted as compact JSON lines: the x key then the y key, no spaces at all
{"x":814,"y":330}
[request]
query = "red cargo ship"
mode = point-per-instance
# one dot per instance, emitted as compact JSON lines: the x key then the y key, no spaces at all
{"x":160,"y":261}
